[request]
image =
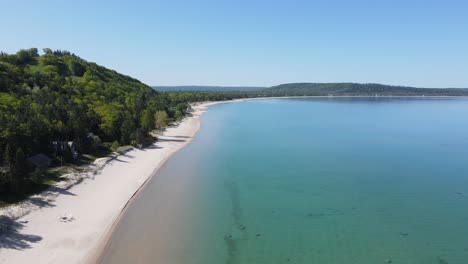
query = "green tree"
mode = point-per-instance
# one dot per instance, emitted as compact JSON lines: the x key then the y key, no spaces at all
{"x":77,"y":69}
{"x":126,"y":130}
{"x":115,"y":145}
{"x":139,"y":138}
{"x":178,"y":114}
{"x":20,"y":163}
{"x":161,"y":119}
{"x":7,"y":158}
{"x":147,"y":120}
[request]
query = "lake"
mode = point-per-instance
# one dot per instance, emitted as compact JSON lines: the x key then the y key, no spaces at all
{"x":321,"y":180}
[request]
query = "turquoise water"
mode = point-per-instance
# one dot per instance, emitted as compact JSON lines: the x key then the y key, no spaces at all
{"x":338,"y":181}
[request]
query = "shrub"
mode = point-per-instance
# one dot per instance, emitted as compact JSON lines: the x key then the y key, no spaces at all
{"x":115,"y":145}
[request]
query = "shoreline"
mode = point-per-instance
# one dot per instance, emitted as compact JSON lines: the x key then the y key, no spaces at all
{"x":96,"y":204}
{"x":97,"y":254}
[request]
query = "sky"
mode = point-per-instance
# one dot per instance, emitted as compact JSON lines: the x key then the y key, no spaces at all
{"x":253,"y":43}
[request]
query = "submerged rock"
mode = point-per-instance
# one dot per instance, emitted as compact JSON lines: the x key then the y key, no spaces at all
{"x":441,"y":260}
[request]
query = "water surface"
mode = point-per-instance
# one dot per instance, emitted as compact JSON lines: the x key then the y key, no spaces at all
{"x":325,"y":180}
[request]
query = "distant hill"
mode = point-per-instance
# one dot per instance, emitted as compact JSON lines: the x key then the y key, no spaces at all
{"x":319,"y":89}
{"x":357,"y":89}
{"x":193,"y":88}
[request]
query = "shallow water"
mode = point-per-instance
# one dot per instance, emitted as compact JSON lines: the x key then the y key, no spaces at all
{"x":326,"y":181}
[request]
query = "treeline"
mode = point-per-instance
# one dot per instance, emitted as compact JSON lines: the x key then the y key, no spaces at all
{"x":357,"y":89}
{"x":315,"y":89}
{"x":57,"y":103}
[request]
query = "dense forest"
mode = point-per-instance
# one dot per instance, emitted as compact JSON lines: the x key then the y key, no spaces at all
{"x":357,"y":89}
{"x":313,"y":89}
{"x":61,"y":106}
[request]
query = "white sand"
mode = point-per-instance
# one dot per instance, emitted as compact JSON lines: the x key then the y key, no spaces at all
{"x":95,"y":204}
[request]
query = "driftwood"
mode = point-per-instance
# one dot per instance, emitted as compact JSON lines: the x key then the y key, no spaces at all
{"x":66,"y":218}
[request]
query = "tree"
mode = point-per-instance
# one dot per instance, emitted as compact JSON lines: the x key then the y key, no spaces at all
{"x":181,"y":110}
{"x":178,"y":114}
{"x":7,"y":158}
{"x":20,"y":163}
{"x":161,"y":119}
{"x":115,"y":145}
{"x":1,"y":156}
{"x":139,"y":138}
{"x":126,"y":130}
{"x":147,"y":120}
{"x":26,"y":56}
{"x":77,"y":68}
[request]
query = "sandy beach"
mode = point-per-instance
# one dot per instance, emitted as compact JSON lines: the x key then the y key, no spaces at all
{"x":95,"y":204}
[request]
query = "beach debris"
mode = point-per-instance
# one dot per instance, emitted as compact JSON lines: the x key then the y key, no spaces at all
{"x":66,"y":218}
{"x":23,"y":221}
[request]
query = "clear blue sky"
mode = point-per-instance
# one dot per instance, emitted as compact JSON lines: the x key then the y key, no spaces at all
{"x":258,"y":43}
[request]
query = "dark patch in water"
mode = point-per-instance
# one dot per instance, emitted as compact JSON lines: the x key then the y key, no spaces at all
{"x":326,"y":212}
{"x":232,"y":249}
{"x":442,"y":261}
{"x":233,"y":192}
{"x":232,"y":244}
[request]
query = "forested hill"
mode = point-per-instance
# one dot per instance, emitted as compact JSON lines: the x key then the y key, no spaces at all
{"x":356,"y":89}
{"x":59,"y":97}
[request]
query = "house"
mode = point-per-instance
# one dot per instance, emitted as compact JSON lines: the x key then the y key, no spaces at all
{"x":60,"y":146}
{"x":40,"y":161}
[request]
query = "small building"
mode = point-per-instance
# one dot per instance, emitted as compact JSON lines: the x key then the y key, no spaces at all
{"x":60,"y":146}
{"x":40,"y":161}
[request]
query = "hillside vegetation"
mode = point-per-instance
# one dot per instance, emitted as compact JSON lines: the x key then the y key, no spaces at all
{"x":59,"y":97}
{"x":357,"y":89}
